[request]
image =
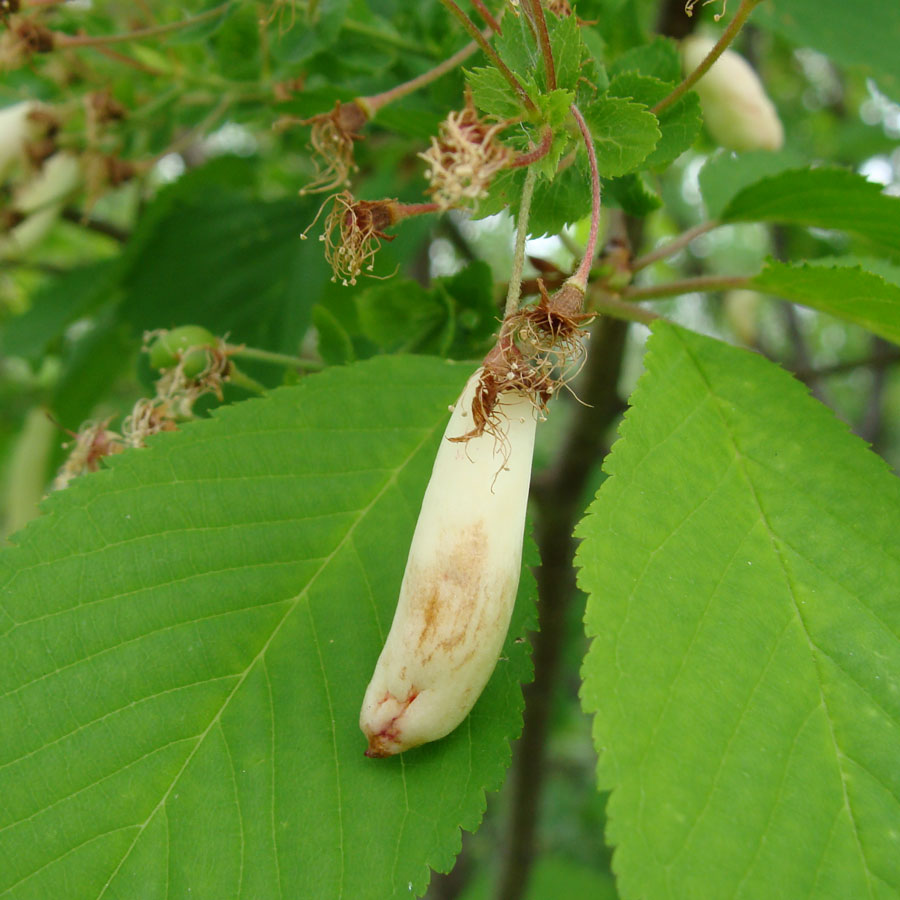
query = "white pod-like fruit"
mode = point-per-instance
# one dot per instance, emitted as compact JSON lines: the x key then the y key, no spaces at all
{"x":737,"y":112}
{"x":41,"y":201}
{"x":15,"y":129}
{"x":460,"y":583}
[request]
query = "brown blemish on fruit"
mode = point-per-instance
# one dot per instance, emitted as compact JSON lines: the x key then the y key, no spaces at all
{"x":387,"y":741}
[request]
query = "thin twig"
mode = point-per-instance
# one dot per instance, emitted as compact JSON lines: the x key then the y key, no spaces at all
{"x":536,"y":14}
{"x":728,"y":35}
{"x":94,"y":40}
{"x":672,"y":247}
{"x":687,"y":286}
{"x":491,"y":53}
{"x":610,"y":305}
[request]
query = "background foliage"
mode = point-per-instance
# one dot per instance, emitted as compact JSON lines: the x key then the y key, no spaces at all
{"x":186,"y":635}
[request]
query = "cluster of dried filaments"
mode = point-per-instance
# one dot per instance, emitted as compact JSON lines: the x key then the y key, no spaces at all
{"x":176,"y":394}
{"x":354,"y":230}
{"x":331,"y":140}
{"x":464,"y":158}
{"x":540,"y":350}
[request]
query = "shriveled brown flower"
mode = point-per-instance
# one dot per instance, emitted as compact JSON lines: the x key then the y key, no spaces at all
{"x":92,"y":442}
{"x":331,"y":141}
{"x":21,"y":41}
{"x":464,"y":157}
{"x":354,"y":230}
{"x":148,"y":416}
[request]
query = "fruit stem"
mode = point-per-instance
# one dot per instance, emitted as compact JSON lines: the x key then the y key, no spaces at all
{"x":580,"y":278}
{"x":491,"y":53}
{"x":728,"y":35}
{"x":268,"y":356}
{"x":515,"y":277}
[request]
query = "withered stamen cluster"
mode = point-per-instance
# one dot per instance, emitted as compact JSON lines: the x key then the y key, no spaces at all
{"x":540,"y":350}
{"x":464,"y":157}
{"x":175,"y":396}
{"x":331,"y":141}
{"x":354,"y":230}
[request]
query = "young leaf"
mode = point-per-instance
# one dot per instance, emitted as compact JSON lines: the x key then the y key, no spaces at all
{"x":745,"y":667}
{"x":846,"y":291}
{"x":821,"y":198}
{"x":658,"y":59}
{"x":185,"y":641}
{"x":679,"y":124}
{"x":202,"y":255}
{"x":568,"y":50}
{"x":624,"y":134}
{"x":493,"y":94}
{"x":631,"y":193}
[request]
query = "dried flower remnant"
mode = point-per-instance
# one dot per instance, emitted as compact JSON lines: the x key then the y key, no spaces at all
{"x":354,"y":230}
{"x":22,"y":40}
{"x":93,"y":441}
{"x":147,"y":417}
{"x":331,"y":141}
{"x":464,"y":157}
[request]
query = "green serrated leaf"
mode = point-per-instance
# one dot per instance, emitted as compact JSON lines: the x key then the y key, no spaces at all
{"x":679,"y":123}
{"x":658,"y":59}
{"x":57,"y":303}
{"x":517,"y":48}
{"x":822,"y":198}
{"x":725,"y":174}
{"x":334,"y":343}
{"x":632,"y":193}
{"x":568,"y":50}
{"x":221,"y":259}
{"x":745,"y":665}
{"x":184,"y":644}
{"x":493,"y":94}
{"x":845,"y":291}
{"x":554,"y":107}
{"x":624,"y":132}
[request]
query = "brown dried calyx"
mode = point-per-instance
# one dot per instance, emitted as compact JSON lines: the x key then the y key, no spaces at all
{"x":331,"y":141}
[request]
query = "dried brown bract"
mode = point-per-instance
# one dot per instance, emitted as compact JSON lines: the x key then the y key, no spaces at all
{"x":331,"y":141}
{"x":354,"y":230}
{"x":464,"y":157}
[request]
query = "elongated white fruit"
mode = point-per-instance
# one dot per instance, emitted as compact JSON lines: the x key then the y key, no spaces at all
{"x":41,"y":201}
{"x":15,"y":130}
{"x":736,"y":109}
{"x":460,"y":583}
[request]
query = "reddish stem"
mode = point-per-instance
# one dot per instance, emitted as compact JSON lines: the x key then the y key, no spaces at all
{"x":485,"y":14}
{"x":536,"y":14}
{"x":539,"y":152}
{"x":581,"y":276}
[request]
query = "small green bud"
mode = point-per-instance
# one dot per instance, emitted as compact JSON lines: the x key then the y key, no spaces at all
{"x":188,"y":345}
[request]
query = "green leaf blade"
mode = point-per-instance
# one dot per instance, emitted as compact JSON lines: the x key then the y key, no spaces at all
{"x":822,"y":198}
{"x":849,"y":292}
{"x":185,"y":644}
{"x":746,"y":637}
{"x":624,"y":133}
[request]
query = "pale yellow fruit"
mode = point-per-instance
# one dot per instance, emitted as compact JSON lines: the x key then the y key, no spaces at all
{"x":737,"y":112}
{"x":460,"y":583}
